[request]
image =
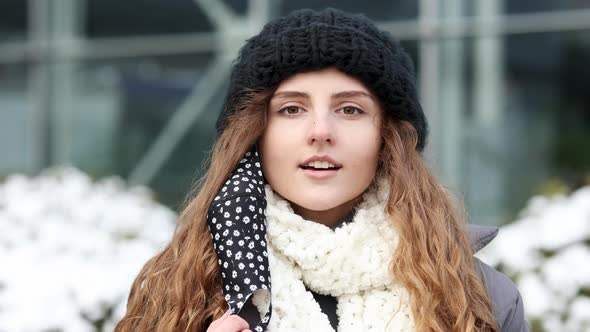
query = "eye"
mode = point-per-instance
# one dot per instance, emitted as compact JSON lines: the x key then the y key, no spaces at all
{"x":290,"y":110}
{"x":351,"y":110}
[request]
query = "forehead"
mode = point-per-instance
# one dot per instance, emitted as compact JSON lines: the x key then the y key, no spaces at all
{"x":329,"y":80}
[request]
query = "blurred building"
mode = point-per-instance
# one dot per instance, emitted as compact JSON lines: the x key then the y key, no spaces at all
{"x":133,"y":88}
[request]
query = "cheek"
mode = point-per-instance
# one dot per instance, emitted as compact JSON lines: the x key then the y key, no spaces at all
{"x":364,"y":149}
{"x":276,"y":152}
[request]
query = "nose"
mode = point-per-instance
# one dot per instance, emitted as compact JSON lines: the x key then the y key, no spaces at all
{"x":321,"y":130}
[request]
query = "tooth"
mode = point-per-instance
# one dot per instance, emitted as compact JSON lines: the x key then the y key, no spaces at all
{"x":325,"y":164}
{"x":310,"y":164}
{"x":317,"y":164}
{"x":331,"y":165}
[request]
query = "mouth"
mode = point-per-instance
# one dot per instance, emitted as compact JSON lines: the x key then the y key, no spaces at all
{"x":320,"y":166}
{"x":320,"y":169}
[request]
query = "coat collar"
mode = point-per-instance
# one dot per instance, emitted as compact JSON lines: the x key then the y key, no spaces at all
{"x":480,"y":235}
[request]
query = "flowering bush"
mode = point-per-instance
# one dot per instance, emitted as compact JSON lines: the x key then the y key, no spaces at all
{"x":547,"y":252}
{"x":70,"y":249}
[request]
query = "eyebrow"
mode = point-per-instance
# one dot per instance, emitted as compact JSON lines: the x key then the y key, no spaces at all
{"x":339,"y":95}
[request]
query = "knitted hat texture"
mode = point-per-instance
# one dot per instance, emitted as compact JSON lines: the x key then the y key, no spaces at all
{"x":308,"y":40}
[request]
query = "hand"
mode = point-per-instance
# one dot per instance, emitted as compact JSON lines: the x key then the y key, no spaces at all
{"x":229,"y":323}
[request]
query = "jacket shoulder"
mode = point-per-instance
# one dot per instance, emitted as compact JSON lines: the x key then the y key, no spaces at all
{"x":505,"y":297}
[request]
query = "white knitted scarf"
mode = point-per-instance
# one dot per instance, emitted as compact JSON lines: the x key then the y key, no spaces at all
{"x":350,"y":263}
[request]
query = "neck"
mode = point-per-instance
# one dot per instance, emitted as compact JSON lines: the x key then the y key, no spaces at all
{"x":330,"y":217}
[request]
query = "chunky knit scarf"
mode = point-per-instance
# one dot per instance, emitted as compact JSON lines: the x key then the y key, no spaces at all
{"x":350,"y":263}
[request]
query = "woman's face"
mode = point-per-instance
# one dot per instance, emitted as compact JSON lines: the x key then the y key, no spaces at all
{"x":321,"y":145}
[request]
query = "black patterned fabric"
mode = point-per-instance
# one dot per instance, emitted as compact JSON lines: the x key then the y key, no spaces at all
{"x":308,"y":40}
{"x":237,"y":223}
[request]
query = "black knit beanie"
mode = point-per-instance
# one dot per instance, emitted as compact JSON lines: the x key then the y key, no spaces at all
{"x":308,"y":40}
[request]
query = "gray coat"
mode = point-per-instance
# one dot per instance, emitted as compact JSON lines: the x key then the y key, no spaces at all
{"x":506,"y":299}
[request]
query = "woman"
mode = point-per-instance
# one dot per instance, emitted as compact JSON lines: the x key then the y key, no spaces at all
{"x":316,"y":182}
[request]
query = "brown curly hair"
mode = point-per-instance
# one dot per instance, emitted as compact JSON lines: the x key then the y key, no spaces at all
{"x":180,"y":289}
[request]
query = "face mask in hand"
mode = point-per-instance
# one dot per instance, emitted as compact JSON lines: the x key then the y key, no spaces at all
{"x":237,"y":224}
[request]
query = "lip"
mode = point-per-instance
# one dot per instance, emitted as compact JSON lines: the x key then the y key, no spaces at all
{"x":320,"y":174}
{"x":321,"y":158}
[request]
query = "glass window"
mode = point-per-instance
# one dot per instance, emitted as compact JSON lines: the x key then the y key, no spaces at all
{"x":13,"y":20}
{"x":527,"y":120}
{"x":381,"y":10}
{"x":122,"y":106}
{"x":15,"y":120}
{"x":113,"y":18}
{"x":521,"y":7}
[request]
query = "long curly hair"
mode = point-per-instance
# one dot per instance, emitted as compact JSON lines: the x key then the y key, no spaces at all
{"x":180,"y":289}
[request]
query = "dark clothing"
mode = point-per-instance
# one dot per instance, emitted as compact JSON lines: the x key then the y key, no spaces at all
{"x":506,"y":299}
{"x":328,"y":304}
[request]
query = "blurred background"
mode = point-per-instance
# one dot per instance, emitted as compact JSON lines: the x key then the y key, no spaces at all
{"x":132,"y":89}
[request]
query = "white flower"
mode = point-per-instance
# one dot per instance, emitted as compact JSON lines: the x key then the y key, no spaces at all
{"x":547,"y":252}
{"x":565,"y":273}
{"x":537,"y":296}
{"x":74,"y":246}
